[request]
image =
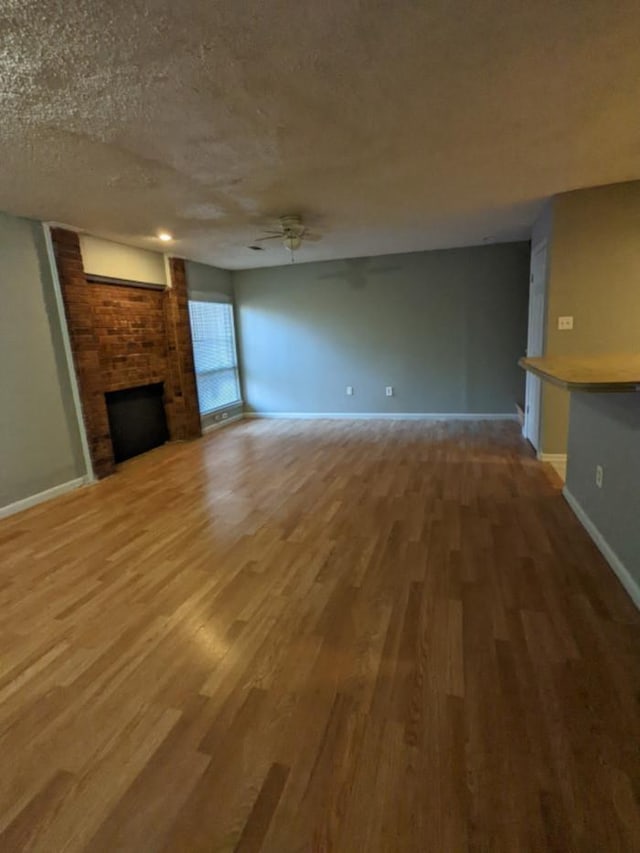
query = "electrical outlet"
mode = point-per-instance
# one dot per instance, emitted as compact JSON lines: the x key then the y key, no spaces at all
{"x":389,"y":390}
{"x":225,"y":415}
{"x":349,"y":390}
{"x":565,"y":324}
{"x":599,"y":476}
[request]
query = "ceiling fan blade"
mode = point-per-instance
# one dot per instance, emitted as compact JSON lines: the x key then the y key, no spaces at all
{"x":312,"y":238}
{"x":273,"y":237}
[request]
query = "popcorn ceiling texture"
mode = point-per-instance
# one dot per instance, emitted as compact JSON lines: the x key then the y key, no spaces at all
{"x":391,"y":125}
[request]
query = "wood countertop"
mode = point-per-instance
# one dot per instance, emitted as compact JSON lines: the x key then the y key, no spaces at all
{"x":588,"y":373}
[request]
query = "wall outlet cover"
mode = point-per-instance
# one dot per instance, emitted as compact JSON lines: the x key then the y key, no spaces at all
{"x":565,"y":324}
{"x":389,"y":390}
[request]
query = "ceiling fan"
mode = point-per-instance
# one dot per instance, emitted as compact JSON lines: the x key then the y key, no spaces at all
{"x":291,"y":233}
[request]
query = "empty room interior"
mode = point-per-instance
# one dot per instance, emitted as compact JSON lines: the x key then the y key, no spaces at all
{"x":320,"y":426}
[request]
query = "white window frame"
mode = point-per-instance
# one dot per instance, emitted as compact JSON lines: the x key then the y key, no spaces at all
{"x":219,"y":298}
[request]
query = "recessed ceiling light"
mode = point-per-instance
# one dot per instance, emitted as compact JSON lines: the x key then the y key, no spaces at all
{"x":165,"y":237}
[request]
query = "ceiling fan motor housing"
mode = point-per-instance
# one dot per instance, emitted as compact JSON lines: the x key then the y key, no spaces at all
{"x":292,"y":231}
{"x":291,"y":224}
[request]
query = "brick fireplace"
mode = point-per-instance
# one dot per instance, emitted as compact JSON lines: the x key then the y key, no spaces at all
{"x":124,"y":337}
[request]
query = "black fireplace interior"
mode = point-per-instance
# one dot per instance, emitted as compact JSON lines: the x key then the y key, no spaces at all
{"x":137,"y":420}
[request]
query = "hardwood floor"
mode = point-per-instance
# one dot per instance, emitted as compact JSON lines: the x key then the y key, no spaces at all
{"x":293,"y":636}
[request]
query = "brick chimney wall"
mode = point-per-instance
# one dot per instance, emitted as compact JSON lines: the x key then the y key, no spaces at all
{"x":122,"y":337}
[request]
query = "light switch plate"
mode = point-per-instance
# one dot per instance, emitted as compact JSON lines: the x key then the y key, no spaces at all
{"x":349,"y":390}
{"x":389,"y":390}
{"x":565,"y":323}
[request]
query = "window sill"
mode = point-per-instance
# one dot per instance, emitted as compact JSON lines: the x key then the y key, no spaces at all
{"x":226,"y":407}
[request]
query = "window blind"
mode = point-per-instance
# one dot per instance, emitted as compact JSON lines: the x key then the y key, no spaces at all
{"x":214,"y":353}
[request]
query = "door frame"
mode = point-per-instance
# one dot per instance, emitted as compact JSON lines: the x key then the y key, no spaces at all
{"x":533,"y":388}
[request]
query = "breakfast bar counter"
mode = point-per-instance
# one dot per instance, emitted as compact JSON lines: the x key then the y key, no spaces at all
{"x":588,"y":373}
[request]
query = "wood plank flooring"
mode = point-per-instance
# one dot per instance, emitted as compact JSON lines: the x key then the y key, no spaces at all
{"x":317,"y":636}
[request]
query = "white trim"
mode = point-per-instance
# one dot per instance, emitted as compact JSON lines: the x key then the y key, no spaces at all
{"x":558,"y":462}
{"x":624,"y":575}
{"x":167,"y":270}
{"x":66,"y":343}
{"x":532,"y":426}
{"x":221,"y":423}
{"x":48,"y":494}
{"x":395,"y":416}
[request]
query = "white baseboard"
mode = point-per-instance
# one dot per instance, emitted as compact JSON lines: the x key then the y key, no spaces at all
{"x":223,"y":423}
{"x":47,"y":495}
{"x":387,"y":416}
{"x":624,"y":575}
{"x":558,"y":462}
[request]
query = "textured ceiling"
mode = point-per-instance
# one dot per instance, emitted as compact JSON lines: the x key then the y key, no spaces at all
{"x":390,"y":125}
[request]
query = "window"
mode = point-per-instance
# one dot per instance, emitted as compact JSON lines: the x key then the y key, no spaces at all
{"x":214,"y":353}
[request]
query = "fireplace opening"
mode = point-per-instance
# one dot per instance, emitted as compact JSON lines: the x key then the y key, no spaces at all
{"x":137,"y":420}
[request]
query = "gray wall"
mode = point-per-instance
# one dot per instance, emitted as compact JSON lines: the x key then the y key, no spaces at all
{"x":205,"y":279}
{"x":604,"y":429}
{"x":444,"y":328}
{"x":39,"y":437}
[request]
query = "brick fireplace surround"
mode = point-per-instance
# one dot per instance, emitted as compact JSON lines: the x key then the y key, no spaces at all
{"x":122,"y":337}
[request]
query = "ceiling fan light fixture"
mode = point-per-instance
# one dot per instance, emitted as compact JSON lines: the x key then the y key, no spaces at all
{"x":292,"y":242}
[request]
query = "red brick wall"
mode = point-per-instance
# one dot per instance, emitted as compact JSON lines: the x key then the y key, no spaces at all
{"x":122,"y":337}
{"x":180,"y":389}
{"x":130,"y":325}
